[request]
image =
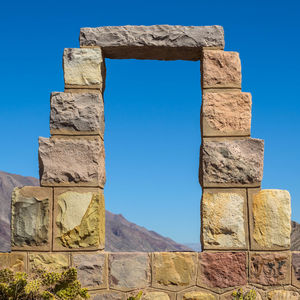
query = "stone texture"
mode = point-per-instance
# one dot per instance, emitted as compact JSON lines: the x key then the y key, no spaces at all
{"x":174,"y":270}
{"x":107,"y":296}
{"x":31,"y":218}
{"x":79,"y":216}
{"x":72,"y":161}
{"x":91,"y":269}
{"x":163,"y":42}
{"x":228,"y":295}
{"x":50,"y":262}
{"x":77,"y":113}
{"x":220,"y":69}
{"x":226,"y":114}
{"x":224,"y":221}
{"x":270,"y":220}
{"x":270,"y":268}
{"x":232,"y":163}
{"x":198,"y":296}
{"x":128,"y":271}
{"x":296,"y":269}
{"x":155,"y":296}
{"x":17,"y":262}
{"x":84,"y":68}
{"x":283,"y":295}
{"x":222,"y":269}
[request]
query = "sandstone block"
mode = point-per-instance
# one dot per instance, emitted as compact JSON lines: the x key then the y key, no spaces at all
{"x":220,"y":270}
{"x":226,"y":114}
{"x":77,"y":114}
{"x":84,"y":68}
{"x":107,"y":295}
{"x":50,"y":262}
{"x":220,"y":69}
{"x":228,"y":295}
{"x":72,"y":161}
{"x":231,"y":163}
{"x":283,"y":295}
{"x":270,"y":268}
{"x":296,"y":269}
{"x":270,"y":219}
{"x":198,"y":296}
{"x":155,"y":296}
{"x":17,"y":262}
{"x":31,"y":218}
{"x":165,"y":42}
{"x":224,"y":219}
{"x":128,"y":271}
{"x":174,"y":270}
{"x":79,"y":219}
{"x":92,"y":269}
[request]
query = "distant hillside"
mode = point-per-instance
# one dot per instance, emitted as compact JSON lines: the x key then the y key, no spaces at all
{"x":121,"y":235}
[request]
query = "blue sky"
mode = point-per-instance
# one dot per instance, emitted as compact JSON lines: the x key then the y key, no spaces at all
{"x":152,"y":108}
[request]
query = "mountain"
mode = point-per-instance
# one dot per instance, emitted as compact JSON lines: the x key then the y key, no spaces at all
{"x":121,"y":235}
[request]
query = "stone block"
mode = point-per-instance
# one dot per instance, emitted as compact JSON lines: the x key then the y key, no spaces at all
{"x":107,"y":295}
{"x":79,"y":219}
{"x":77,"y":114}
{"x":84,"y":68}
{"x":49,"y":262}
{"x":220,"y":270}
{"x":220,"y":69}
{"x":155,"y":296}
{"x":296,"y":269}
{"x":31,"y":219}
{"x":283,"y":295}
{"x":270,"y":219}
{"x":270,"y":268}
{"x":224,"y":219}
{"x":72,"y":161}
{"x":91,"y":269}
{"x":174,"y":271}
{"x":17,"y":262}
{"x":228,"y":295}
{"x":128,"y":271}
{"x":195,"y":293}
{"x":231,"y":163}
{"x":163,"y":42}
{"x":226,"y":114}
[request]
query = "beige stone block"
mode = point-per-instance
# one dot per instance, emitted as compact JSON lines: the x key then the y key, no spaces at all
{"x":72,"y":161}
{"x":195,"y":293}
{"x":84,"y":68}
{"x":79,"y":219}
{"x":153,"y":294}
{"x":283,"y":295}
{"x":226,"y":114}
{"x":224,"y":219}
{"x":17,"y":262}
{"x":270,"y":219}
{"x":228,"y":295}
{"x":174,"y":271}
{"x":31,"y":220}
{"x":107,"y":295}
{"x":220,"y":69}
{"x":49,"y":262}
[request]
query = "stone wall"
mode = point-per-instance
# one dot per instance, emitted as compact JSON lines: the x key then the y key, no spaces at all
{"x":245,"y":231}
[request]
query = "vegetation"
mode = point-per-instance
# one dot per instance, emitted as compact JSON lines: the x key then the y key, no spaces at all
{"x":137,"y":297}
{"x":41,"y":286}
{"x":240,"y":295}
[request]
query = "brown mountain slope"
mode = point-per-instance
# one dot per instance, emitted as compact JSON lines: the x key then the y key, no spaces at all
{"x":121,"y":235}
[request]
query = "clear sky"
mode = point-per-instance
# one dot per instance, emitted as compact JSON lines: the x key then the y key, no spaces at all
{"x":152,"y":108}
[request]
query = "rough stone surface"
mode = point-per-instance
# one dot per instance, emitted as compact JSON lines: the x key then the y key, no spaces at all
{"x":198,"y":296}
{"x":221,"y":69}
{"x":165,"y":42}
{"x":231,"y":163}
{"x":283,"y":295}
{"x":226,"y":114}
{"x":17,"y":262}
{"x":155,"y":296}
{"x":50,"y":262}
{"x":91,"y":269}
{"x":296,"y":269}
{"x":271,"y":268}
{"x":84,"y":68}
{"x":72,"y":161}
{"x":222,"y":269}
{"x":271,"y":220}
{"x":79,"y":219}
{"x":228,"y":295}
{"x":223,"y":219}
{"x":174,"y":271}
{"x":31,"y":218}
{"x":77,"y":113}
{"x":107,"y":296}
{"x":128,"y":271}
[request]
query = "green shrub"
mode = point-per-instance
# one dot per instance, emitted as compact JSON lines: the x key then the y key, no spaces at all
{"x":41,"y":285}
{"x":240,"y":295}
{"x":137,"y":297}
